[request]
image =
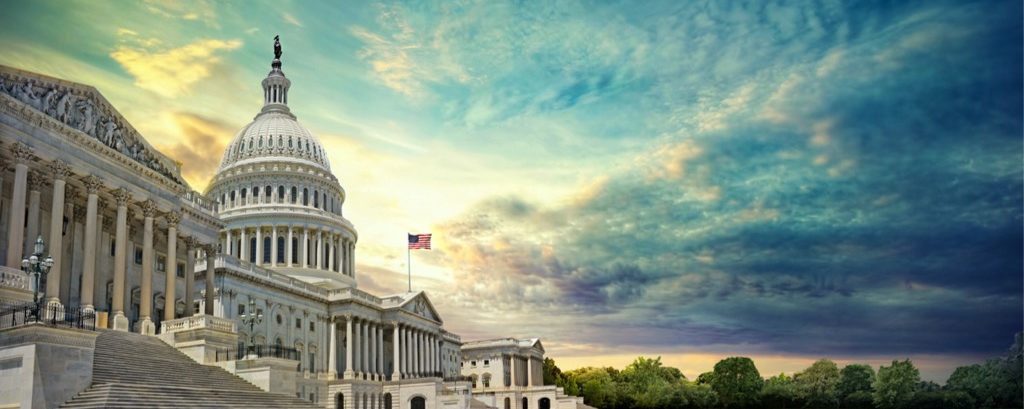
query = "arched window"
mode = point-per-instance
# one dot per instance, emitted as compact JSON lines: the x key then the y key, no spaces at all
{"x":305,"y":196}
{"x":418,"y":402}
{"x":266,"y":250}
{"x":544,"y":403}
{"x":508,"y":403}
{"x":280,"y":250}
{"x":339,"y":401}
{"x":251,"y":257}
{"x":267,"y":192}
{"x":486,"y":380}
{"x":316,"y":199}
{"x":294,"y":193}
{"x":387,"y":401}
{"x":260,"y":143}
{"x":324,"y":201}
{"x":473,"y":378}
{"x":243,"y":193}
{"x":526,"y":404}
{"x":289,"y":142}
{"x":280,"y":193}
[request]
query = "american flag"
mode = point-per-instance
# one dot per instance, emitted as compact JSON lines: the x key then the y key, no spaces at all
{"x":419,"y":241}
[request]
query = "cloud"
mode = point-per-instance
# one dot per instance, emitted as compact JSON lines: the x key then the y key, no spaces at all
{"x":290,"y":19}
{"x":871,"y":213}
{"x":200,"y":143}
{"x":200,"y":10}
{"x":170,"y":72}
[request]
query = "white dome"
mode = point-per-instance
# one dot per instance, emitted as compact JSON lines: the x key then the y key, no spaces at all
{"x":274,"y":135}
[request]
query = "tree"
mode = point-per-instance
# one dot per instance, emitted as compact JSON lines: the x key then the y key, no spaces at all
{"x":854,"y":378}
{"x":895,"y":385}
{"x":596,"y":386}
{"x":817,"y":384}
{"x":780,"y":392}
{"x":650,"y":385}
{"x":551,"y":372}
{"x":737,"y":382}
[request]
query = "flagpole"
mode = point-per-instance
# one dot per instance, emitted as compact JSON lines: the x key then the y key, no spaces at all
{"x":408,"y":263}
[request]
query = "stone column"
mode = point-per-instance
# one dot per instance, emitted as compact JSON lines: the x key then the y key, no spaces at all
{"x":432,"y":347}
{"x":512,"y":368}
{"x":349,"y":372}
{"x":16,"y":221}
{"x":171,"y":278}
{"x":364,"y":348}
{"x":273,"y":245}
{"x":259,"y":245}
{"x":332,"y":360}
{"x":529,"y":371}
{"x":319,"y":249}
{"x":122,"y":197}
{"x":190,"y":276}
{"x":36,"y":181}
{"x":146,"y":325}
{"x":396,"y":346}
{"x":305,"y":248}
{"x":210,"y":290}
{"x":416,"y":367}
{"x":60,"y":172}
{"x":380,"y":352}
{"x":92,"y":185}
{"x":409,"y":357}
{"x":332,"y":253}
{"x":288,"y":248}
{"x":229,"y":250}
{"x":243,"y":245}
{"x":372,"y":346}
{"x":352,"y":258}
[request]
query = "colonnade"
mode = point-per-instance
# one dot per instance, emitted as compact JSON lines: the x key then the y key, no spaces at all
{"x":21,"y":235}
{"x":304,"y":247}
{"x":416,"y":351}
{"x":525,"y":370}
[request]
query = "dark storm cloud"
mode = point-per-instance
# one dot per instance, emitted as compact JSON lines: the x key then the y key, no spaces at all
{"x":873,"y":206}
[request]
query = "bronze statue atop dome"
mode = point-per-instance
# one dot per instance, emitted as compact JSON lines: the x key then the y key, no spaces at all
{"x":277,"y":47}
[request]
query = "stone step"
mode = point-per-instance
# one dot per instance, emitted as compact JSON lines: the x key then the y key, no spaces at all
{"x":132,"y":370}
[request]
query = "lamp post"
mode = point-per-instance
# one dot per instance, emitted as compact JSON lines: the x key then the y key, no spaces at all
{"x":252,"y":318}
{"x":37,"y":267}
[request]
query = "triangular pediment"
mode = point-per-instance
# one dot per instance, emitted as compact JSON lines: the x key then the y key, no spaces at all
{"x":420,"y":305}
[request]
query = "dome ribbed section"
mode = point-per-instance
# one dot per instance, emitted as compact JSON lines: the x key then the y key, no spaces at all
{"x":277,"y":136}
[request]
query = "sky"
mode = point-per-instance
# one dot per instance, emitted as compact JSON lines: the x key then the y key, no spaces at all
{"x":691,"y":180}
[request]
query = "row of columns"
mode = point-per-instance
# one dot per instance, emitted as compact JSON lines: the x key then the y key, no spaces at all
{"x":21,"y":234}
{"x":524,"y":370}
{"x":417,"y":352}
{"x":313,"y":198}
{"x":331,"y":251}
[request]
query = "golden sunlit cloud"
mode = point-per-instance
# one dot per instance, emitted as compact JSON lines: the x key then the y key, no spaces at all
{"x":173,"y":71}
{"x":201,"y":143}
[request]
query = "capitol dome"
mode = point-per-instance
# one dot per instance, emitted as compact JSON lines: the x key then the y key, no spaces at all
{"x":279,"y":199}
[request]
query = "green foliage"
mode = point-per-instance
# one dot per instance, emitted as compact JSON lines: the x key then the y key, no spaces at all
{"x":859,"y":400}
{"x":855,"y":378}
{"x":957,"y":400}
{"x":700,"y":396}
{"x":737,"y":382}
{"x":551,"y":372}
{"x":705,"y":378}
{"x":650,"y":385}
{"x":994,"y":384}
{"x":817,"y":384}
{"x":780,"y":392}
{"x":896,"y":384}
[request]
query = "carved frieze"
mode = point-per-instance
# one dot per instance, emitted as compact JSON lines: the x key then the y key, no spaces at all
{"x":82,"y":110}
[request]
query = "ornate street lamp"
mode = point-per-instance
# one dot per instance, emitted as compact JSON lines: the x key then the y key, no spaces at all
{"x":252,"y":318}
{"x":37,"y":267}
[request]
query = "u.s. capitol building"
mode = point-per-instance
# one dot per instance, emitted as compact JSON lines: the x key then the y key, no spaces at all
{"x":155,"y":295}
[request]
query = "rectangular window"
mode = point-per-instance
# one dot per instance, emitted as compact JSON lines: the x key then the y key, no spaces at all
{"x":241,"y":309}
{"x":113,"y":247}
{"x":138,"y":255}
{"x":298,"y":323}
{"x":312,"y":327}
{"x":161,"y":263}
{"x":181,"y":270}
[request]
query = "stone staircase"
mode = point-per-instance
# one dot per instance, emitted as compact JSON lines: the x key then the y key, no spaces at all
{"x":139,"y":371}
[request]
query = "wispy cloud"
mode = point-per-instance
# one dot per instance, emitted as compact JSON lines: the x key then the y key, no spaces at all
{"x":169,"y":72}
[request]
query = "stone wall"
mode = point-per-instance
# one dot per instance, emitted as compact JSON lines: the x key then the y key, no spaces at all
{"x":43,"y":367}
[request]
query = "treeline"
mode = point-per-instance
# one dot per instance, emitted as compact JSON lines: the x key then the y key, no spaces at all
{"x":736,"y":383}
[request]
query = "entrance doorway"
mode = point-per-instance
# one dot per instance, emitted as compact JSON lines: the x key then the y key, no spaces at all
{"x":418,"y":403}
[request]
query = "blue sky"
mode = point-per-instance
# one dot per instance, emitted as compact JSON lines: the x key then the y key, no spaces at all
{"x":686,"y":179}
